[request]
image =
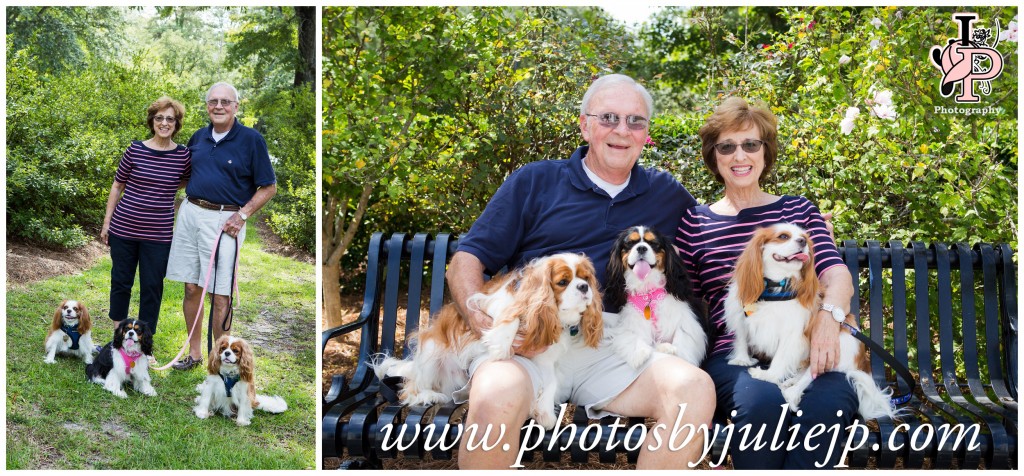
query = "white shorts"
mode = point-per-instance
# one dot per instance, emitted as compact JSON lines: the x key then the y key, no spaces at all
{"x":195,"y":231}
{"x":590,"y":377}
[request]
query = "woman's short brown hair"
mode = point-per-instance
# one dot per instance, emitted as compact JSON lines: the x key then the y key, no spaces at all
{"x":735,"y":114}
{"x":159,"y":105}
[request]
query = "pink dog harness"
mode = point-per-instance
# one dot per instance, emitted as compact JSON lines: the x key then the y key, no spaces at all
{"x":129,"y":360}
{"x":645,"y":302}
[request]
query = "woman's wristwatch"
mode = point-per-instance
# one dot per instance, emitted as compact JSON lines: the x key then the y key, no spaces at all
{"x":837,"y":312}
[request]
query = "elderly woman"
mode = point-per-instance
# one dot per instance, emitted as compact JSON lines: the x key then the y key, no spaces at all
{"x":739,"y":148}
{"x":140,"y":212}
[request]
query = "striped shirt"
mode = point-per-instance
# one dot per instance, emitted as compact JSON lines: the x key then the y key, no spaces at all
{"x":151,"y":177}
{"x":710,"y":243}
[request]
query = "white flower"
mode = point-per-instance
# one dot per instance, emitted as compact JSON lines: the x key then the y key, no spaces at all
{"x":883,"y":98}
{"x":874,"y":44}
{"x":884,"y":111}
{"x":846,"y":125}
{"x":876,"y":22}
{"x":852,"y":112}
{"x":844,"y":59}
{"x":1010,"y":34}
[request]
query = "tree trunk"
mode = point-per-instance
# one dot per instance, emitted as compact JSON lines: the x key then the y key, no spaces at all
{"x":305,"y":73}
{"x":336,"y":237}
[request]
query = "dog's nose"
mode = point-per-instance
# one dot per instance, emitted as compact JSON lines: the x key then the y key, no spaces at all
{"x":800,"y":241}
{"x":583,"y":288}
{"x":640,"y":250}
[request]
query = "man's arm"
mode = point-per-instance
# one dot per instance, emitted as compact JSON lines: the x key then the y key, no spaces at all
{"x":260,"y":198}
{"x":465,"y":277}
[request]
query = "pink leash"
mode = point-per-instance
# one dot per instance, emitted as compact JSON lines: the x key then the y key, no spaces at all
{"x":202,"y":300}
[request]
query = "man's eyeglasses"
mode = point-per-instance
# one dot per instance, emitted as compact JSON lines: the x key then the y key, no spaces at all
{"x":611,"y":120}
{"x":749,"y":146}
{"x":222,"y":102}
{"x":167,"y":119}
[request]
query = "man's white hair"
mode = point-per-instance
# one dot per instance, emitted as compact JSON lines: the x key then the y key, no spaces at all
{"x":612,"y":80}
{"x":222,"y":84}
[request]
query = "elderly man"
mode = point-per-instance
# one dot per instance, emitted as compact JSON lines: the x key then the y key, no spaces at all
{"x":580,"y":205}
{"x":232,"y":178}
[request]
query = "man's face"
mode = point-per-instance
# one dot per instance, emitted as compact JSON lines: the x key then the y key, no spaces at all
{"x":614,"y":150}
{"x":221,"y":115}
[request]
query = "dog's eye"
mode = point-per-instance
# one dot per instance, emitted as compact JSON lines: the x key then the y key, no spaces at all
{"x":784,"y":236}
{"x":563,"y":283}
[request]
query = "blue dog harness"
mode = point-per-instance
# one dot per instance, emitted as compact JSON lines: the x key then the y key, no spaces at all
{"x":72,"y":332}
{"x":229,"y":383}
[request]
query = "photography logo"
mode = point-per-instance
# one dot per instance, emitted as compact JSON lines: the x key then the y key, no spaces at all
{"x":963,"y":60}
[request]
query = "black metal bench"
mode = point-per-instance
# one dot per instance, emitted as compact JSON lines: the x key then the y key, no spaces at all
{"x":948,"y":311}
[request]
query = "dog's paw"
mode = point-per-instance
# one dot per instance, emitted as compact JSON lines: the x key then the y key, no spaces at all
{"x":498,"y":352}
{"x":666,"y":348}
{"x":792,"y":394}
{"x":119,"y":393}
{"x":545,"y":418}
{"x":51,"y":360}
{"x":202,"y":413}
{"x":742,"y":362}
{"x":87,"y":360}
{"x":242,"y":422}
{"x":638,"y":356}
{"x":151,"y":392}
{"x":763,"y":374}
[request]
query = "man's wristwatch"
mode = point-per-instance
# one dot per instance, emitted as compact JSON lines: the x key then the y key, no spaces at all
{"x":837,"y":312}
{"x":243,"y":215}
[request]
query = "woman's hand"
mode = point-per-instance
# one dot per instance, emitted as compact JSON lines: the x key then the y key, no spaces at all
{"x":105,"y":233}
{"x":824,"y":343}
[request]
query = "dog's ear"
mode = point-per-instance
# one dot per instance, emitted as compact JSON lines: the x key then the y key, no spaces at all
{"x":56,"y":323}
{"x":84,"y":321}
{"x":213,"y":364}
{"x":749,"y":272}
{"x":592,"y":323}
{"x":810,"y":286}
{"x":535,"y":306}
{"x":246,"y":361}
{"x":146,"y":339}
{"x":615,"y":274}
{"x":119,"y":333}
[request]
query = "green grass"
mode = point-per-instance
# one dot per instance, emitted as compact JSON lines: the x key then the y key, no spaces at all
{"x":56,"y":419}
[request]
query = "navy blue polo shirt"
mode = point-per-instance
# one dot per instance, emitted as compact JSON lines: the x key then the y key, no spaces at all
{"x":228,"y":172}
{"x":551,"y":206}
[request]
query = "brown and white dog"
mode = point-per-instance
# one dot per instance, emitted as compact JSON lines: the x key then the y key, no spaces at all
{"x":229,"y":387}
{"x":773,"y":295}
{"x":70,"y":332}
{"x":650,"y":289}
{"x":550,"y":302}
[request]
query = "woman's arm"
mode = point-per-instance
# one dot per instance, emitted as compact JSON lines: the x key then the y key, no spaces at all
{"x":837,"y":285}
{"x":115,"y":196}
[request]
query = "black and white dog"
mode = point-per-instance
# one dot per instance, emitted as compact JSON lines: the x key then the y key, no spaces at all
{"x":125,"y":359}
{"x":650,"y":289}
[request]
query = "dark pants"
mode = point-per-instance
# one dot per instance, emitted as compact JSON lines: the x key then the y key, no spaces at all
{"x":759,"y":404}
{"x":151,"y":260}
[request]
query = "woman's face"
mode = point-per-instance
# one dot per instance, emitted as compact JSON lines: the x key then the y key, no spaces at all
{"x":741,"y":169}
{"x":164,"y":123}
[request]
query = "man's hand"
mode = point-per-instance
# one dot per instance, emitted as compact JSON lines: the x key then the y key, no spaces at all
{"x":234,"y":225}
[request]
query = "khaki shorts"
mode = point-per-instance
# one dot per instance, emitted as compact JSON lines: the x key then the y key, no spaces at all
{"x":588,"y":377}
{"x":195,"y":231}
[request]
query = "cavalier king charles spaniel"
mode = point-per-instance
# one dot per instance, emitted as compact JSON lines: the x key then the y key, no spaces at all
{"x":125,"y":359}
{"x":549,"y":304}
{"x":649,"y":287}
{"x":229,"y":387}
{"x":70,"y":332}
{"x":773,"y":295}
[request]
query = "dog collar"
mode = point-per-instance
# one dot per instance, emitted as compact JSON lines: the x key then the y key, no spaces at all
{"x":645,"y":302}
{"x":776,"y":291}
{"x":129,"y":360}
{"x":72,"y":332}
{"x":229,"y":383}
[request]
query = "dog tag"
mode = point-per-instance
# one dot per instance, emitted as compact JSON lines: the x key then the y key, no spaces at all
{"x":750,"y":309}
{"x":66,"y":338}
{"x":131,"y":364}
{"x":647,"y":312}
